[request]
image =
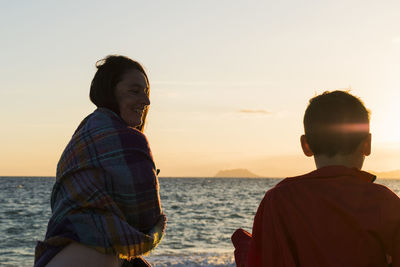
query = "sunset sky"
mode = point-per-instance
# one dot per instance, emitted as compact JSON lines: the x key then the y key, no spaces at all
{"x":230,"y":80}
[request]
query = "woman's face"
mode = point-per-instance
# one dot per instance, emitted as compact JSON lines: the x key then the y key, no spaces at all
{"x":131,"y":96}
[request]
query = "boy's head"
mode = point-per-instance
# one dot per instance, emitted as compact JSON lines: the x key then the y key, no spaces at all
{"x":335,"y":124}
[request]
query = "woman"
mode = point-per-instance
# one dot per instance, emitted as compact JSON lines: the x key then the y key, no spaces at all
{"x":105,"y":203}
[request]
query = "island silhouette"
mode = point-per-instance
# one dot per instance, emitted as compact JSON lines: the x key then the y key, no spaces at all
{"x":239,"y":173}
{"x":245,"y":173}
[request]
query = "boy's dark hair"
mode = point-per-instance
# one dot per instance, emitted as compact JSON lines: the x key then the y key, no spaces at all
{"x":335,"y":123}
{"x":109,"y":72}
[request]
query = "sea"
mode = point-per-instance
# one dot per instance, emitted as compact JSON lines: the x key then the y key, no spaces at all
{"x":202,"y":215}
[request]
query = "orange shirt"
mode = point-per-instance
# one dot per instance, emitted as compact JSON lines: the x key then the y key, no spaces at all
{"x":334,"y":216}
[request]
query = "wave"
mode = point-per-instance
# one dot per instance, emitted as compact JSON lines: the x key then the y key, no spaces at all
{"x":204,"y":259}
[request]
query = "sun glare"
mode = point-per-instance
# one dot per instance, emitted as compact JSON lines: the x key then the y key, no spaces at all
{"x":386,"y":128}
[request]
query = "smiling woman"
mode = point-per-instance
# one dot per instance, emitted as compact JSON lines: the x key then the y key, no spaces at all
{"x":105,"y":203}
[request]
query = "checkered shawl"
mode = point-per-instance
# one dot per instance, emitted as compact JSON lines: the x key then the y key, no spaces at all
{"x":106,"y":192}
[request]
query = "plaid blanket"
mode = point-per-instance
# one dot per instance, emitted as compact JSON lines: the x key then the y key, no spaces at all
{"x":106,"y":192}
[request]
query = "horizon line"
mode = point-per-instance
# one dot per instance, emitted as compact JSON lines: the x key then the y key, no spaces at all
{"x":189,"y":177}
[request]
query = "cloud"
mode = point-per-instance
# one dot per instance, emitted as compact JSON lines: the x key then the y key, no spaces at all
{"x":215,"y":83}
{"x":255,"y":111}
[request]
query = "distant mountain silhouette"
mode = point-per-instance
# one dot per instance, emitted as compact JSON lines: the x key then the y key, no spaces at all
{"x":245,"y":173}
{"x":389,"y":174}
{"x":238,"y":173}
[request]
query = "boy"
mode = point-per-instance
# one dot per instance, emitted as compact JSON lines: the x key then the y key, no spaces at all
{"x":335,"y":215}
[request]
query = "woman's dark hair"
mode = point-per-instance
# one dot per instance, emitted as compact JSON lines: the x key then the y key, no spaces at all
{"x":335,"y":123}
{"x":109,"y":73}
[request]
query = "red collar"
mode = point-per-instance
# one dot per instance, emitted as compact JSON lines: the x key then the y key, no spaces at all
{"x":334,"y":171}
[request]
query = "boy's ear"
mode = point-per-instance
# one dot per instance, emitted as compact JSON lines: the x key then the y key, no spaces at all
{"x":367,"y":145}
{"x":305,"y":146}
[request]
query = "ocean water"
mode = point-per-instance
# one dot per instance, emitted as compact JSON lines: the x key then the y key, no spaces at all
{"x":202,"y":215}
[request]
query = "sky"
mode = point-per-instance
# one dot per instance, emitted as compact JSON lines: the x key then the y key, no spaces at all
{"x":230,"y":80}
